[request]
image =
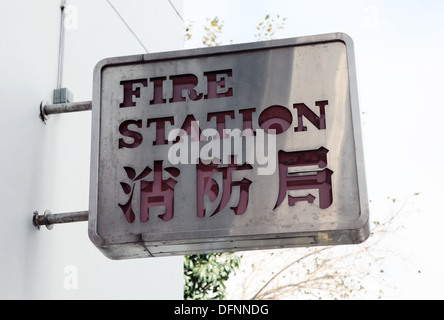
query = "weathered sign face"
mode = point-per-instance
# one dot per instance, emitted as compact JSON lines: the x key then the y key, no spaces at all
{"x":230,"y":148}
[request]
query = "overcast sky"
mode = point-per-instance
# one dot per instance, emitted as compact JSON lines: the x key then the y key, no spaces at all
{"x":399,"y":50}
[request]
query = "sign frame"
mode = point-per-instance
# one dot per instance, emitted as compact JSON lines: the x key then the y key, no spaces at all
{"x":324,"y":233}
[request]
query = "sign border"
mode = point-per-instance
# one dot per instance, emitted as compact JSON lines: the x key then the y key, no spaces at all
{"x":351,"y":232}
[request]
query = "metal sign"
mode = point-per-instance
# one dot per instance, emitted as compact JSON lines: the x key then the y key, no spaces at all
{"x":239,"y":147}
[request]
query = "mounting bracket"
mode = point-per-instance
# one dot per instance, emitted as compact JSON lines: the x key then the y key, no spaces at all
{"x":48,"y":218}
{"x":46,"y":109}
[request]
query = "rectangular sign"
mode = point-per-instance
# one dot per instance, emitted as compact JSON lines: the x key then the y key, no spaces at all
{"x":229,"y":148}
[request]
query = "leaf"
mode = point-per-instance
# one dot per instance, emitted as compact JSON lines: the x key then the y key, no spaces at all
{"x":209,"y":274}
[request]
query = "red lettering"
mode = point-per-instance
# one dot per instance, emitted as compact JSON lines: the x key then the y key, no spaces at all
{"x":206,"y":185}
{"x":218,"y":88}
{"x":247,"y":119}
{"x":277,"y":118}
{"x":160,"y":129}
{"x":129,"y":92}
{"x":220,"y":119}
{"x":158,"y":90}
{"x":320,"y":180}
{"x":184,"y":88}
{"x":158,"y":193}
{"x":188,"y":127}
{"x":303,"y":110}
{"x":185,"y":82}
{"x":126,"y":132}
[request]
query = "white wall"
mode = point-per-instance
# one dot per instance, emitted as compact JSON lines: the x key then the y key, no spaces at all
{"x":47,"y":166}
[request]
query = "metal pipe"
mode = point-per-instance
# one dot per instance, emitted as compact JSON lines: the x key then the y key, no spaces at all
{"x":48,"y":219}
{"x":66,"y":107}
{"x":47,"y":109}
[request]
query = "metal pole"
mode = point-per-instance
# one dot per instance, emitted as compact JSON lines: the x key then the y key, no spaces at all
{"x":47,"y":109}
{"x":48,"y":219}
